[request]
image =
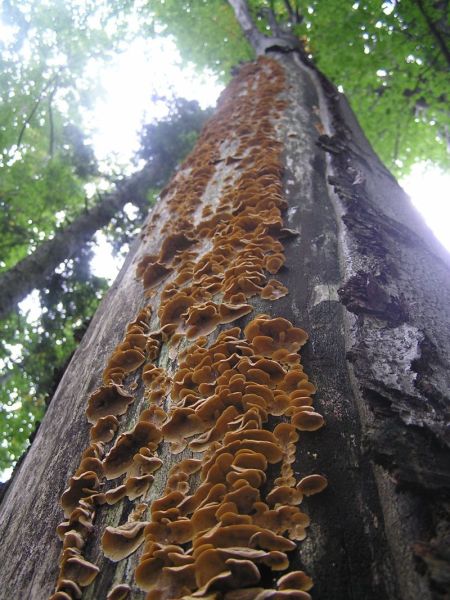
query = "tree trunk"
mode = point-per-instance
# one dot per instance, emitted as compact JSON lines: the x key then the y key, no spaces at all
{"x":370,"y":285}
{"x":32,"y":271}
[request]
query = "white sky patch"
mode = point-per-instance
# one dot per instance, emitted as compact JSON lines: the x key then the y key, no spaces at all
{"x":429,"y":189}
{"x":148,"y":68}
{"x":31,"y":307}
{"x":8,"y":33}
{"x":6,"y":474}
{"x":104,"y":264}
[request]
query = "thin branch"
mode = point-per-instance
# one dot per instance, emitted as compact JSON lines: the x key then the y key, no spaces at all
{"x":289,"y":9}
{"x":298,"y":15}
{"x":51,"y":146}
{"x":35,"y":107}
{"x":32,"y":271}
{"x":273,"y":24}
{"x":396,"y":143}
{"x":251,"y":32}
{"x":434,"y":31}
{"x":260,"y":42}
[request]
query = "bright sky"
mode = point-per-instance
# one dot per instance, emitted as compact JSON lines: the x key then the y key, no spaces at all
{"x":147,"y":68}
{"x":429,"y":189}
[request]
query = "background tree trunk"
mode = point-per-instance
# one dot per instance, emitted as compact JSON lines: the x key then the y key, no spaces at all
{"x":32,"y":271}
{"x":369,"y":283}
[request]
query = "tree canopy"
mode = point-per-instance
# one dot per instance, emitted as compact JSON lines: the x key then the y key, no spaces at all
{"x":391,"y":58}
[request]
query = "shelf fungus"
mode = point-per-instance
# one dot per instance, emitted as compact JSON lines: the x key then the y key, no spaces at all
{"x":107,"y":401}
{"x":231,"y":528}
{"x":120,"y":457}
{"x":80,"y":486}
{"x":75,"y":568}
{"x":227,"y":521}
{"x":121,"y":591}
{"x":120,"y":542}
{"x":312,"y":484}
{"x":104,"y":429}
{"x":152,"y":273}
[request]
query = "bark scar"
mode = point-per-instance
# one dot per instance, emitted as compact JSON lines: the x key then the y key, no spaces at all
{"x":363,"y":294}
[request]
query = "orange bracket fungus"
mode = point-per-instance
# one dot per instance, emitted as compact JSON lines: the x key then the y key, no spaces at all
{"x":80,"y":486}
{"x":312,"y":484}
{"x":119,"y":542}
{"x":104,"y":429}
{"x":120,"y":457}
{"x":109,"y":400}
{"x":231,"y":514}
{"x":121,"y":591}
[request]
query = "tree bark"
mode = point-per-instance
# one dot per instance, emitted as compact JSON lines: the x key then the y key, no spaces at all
{"x":32,"y":271}
{"x":370,"y":284}
{"x":260,"y":42}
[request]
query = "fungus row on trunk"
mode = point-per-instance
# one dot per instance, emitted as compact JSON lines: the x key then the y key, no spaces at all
{"x":209,"y":541}
{"x":82,"y":496}
{"x":238,"y":403}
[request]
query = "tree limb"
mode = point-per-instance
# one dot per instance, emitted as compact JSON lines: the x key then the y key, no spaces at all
{"x":294,"y":15}
{"x":32,"y":271}
{"x":51,"y":144}
{"x":260,"y":42}
{"x":54,"y":79}
{"x":434,"y":31}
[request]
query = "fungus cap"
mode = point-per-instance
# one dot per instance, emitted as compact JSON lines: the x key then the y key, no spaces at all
{"x":79,"y":487}
{"x":104,"y":429}
{"x":120,"y":457}
{"x":121,"y":591}
{"x":306,"y":420}
{"x":120,"y":542}
{"x":312,"y":484}
{"x":79,"y":570}
{"x":106,"y":401}
{"x":295,"y":580}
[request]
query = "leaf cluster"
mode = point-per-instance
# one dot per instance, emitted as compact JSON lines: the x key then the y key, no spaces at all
{"x":384,"y":55}
{"x":392,"y":68}
{"x":34,"y":353}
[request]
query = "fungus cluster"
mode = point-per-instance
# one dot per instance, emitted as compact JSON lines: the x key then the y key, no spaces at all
{"x":209,"y":541}
{"x":236,"y":401}
{"x":82,"y":496}
{"x":215,"y":256}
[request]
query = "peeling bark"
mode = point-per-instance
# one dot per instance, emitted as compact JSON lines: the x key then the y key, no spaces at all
{"x":395,"y":288}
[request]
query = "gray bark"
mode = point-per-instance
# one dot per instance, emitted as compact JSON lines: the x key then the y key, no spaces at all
{"x":377,"y":294}
{"x":371,"y":285}
{"x":32,"y":271}
{"x":261,"y":43}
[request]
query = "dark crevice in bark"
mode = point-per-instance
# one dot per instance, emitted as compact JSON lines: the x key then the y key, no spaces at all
{"x":415,"y":457}
{"x":363,"y":294}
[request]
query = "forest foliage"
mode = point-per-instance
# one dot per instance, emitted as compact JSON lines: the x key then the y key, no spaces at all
{"x":390,"y":62}
{"x":391,"y":58}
